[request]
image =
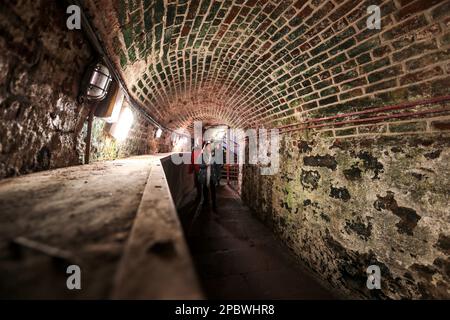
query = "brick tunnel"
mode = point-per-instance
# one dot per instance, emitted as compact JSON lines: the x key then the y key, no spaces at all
{"x":99,"y":99}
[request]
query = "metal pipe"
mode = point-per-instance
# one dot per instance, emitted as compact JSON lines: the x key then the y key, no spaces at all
{"x":373,"y":110}
{"x":87,"y":151}
{"x":373,"y":119}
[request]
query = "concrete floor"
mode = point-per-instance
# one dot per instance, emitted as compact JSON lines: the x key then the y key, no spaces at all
{"x":237,"y":257}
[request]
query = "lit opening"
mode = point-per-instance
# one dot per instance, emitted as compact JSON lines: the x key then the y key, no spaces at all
{"x":122,"y":127}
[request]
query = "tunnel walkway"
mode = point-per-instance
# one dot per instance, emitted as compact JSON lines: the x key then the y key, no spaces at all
{"x":118,"y":221}
{"x":237,"y":257}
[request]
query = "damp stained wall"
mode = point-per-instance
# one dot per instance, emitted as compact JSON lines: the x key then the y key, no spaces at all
{"x":341,"y":205}
{"x":41,"y":66}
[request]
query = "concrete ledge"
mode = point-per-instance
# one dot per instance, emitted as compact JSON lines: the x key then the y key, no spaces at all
{"x":180,"y":181}
{"x":156,"y":263}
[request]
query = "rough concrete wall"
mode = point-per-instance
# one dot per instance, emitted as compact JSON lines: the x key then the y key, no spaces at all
{"x":342,"y":205}
{"x":41,"y":66}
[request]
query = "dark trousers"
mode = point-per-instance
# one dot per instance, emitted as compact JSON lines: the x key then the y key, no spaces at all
{"x":198,"y":186}
{"x":207,"y":191}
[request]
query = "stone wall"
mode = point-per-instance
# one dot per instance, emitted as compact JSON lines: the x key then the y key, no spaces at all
{"x":344,"y":204}
{"x":140,"y":140}
{"x":41,"y":66}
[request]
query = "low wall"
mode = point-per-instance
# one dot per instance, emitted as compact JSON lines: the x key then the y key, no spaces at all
{"x":181,"y":182}
{"x":156,"y":246}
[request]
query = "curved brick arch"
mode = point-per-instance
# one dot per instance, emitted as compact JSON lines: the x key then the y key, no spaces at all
{"x":201,"y":104}
{"x":358,"y":179}
{"x":274,"y":63}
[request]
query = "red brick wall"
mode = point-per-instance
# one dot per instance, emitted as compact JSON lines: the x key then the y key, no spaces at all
{"x":272,"y":63}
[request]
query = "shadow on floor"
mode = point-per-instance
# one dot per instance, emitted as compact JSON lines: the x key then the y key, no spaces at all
{"x":237,"y":257}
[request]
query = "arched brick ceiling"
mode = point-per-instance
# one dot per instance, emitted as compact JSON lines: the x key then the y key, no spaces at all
{"x":259,"y":62}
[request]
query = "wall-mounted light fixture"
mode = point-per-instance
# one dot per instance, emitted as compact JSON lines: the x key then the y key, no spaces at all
{"x":98,"y":82}
{"x":158,"y":133}
{"x":114,"y":107}
{"x":121,"y":128}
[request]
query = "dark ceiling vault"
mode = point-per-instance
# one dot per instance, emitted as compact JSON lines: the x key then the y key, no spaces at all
{"x":250,"y":63}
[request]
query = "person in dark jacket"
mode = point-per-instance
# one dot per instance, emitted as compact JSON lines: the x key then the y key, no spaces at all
{"x":195,"y":169}
{"x":219,"y":161}
{"x":208,"y":175}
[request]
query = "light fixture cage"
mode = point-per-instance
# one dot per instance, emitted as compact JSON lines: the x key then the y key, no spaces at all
{"x":99,"y":83}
